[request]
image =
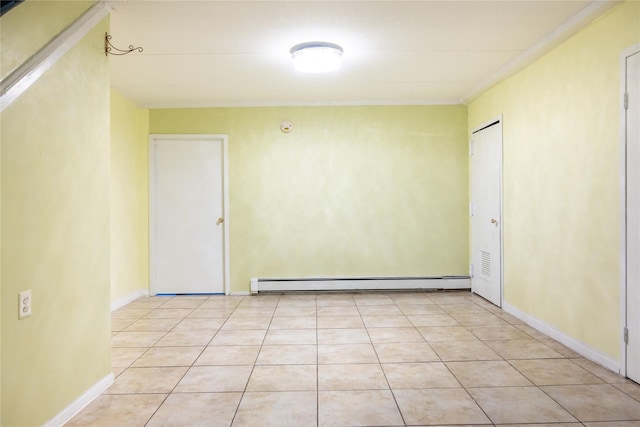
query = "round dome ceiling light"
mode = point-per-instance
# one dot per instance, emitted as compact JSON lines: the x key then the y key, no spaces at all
{"x":316,"y":57}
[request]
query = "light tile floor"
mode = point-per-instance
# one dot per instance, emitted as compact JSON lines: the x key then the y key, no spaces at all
{"x":361,"y":359}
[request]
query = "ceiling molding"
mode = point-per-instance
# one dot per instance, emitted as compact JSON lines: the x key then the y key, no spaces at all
{"x":562,"y":33}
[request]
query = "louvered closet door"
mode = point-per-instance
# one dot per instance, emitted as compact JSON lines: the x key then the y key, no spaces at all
{"x":486,"y":220}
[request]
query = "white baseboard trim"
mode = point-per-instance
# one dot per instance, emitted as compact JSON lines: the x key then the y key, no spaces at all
{"x":358,"y":283}
{"x":575,"y":345}
{"x":119,"y":303}
{"x":81,"y":402}
{"x":239,"y":293}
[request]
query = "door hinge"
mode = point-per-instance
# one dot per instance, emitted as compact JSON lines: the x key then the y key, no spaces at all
{"x":625,"y":333}
{"x":626,"y":101}
{"x":471,"y":148}
{"x":471,"y":270}
{"x":471,"y":209}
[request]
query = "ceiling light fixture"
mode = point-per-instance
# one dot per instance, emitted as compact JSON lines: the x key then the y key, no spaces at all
{"x":316,"y":57}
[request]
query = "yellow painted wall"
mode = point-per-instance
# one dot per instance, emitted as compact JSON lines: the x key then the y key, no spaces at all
{"x":31,"y":25}
{"x":55,"y":233}
{"x":351,"y":191}
{"x":129,"y":198}
{"x":562,"y":181}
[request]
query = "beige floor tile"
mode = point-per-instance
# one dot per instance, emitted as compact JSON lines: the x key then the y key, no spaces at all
{"x":197,"y":409}
{"x":432,"y":320}
{"x":190,"y":324}
{"x":523,"y":349}
{"x":446,"y":333}
{"x":185,"y":338}
{"x":411,"y":299}
{"x":253,"y":312}
{"x":346,"y":353}
{"x":211,"y":313}
{"x":630,"y":388}
{"x":335,"y":300}
{"x":386,"y":321}
{"x":168,"y":356}
{"x":532,"y":332}
{"x":235,"y":323}
{"x":554,"y":371}
{"x":130,"y":410}
{"x":600,"y":371}
{"x":123,"y":357}
{"x":340,"y":322}
{"x":423,"y":310}
{"x":185,"y":302}
{"x":283,"y":378}
{"x":419,"y":375}
{"x":288,"y":355}
{"x":295,"y":311}
{"x":511,"y":405}
{"x":243,"y":337}
{"x":116,"y":371}
{"x":290,"y":336}
{"x":358,"y":408}
{"x":463,"y":350}
{"x":486,"y":318}
{"x":120,"y":324}
{"x":601,"y":402}
{"x":302,"y":322}
{"x":151,"y":325}
{"x":543,"y":425}
{"x":498,"y":332}
{"x":127,"y":312}
{"x":563,"y":350}
{"x":210,"y":379}
{"x":147,"y":302}
{"x":147,"y":380}
{"x":222,"y":301}
{"x":351,"y":377}
{"x":394,"y":335}
{"x":297,"y":301}
{"x":372,"y":299}
{"x":493,"y":373}
{"x":169,"y":313}
{"x":275,"y":409}
{"x":136,"y":339}
{"x":405,"y":352}
{"x":228,"y":355}
{"x":432,"y":406}
{"x":333,"y":311}
{"x":634,"y":423}
{"x":260,"y":301}
{"x":343,"y":336}
{"x":379,"y":310}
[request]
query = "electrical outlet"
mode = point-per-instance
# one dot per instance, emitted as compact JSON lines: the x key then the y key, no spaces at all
{"x":24,"y":304}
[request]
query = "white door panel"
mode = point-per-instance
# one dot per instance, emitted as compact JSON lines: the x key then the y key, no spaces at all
{"x":632,"y":120}
{"x":186,"y":202}
{"x":486,"y":219}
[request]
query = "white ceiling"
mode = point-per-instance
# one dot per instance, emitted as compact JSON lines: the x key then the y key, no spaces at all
{"x":236,"y":53}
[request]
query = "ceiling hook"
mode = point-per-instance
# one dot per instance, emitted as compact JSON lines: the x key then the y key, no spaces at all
{"x":110,"y":49}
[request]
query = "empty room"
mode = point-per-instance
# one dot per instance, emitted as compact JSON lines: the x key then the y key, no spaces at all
{"x":320,"y":213}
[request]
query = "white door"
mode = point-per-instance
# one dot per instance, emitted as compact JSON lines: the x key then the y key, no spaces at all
{"x":632,"y":124}
{"x":186,"y":212}
{"x":486,"y":208}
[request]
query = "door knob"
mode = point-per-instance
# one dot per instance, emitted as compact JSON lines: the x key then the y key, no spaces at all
{"x":219,"y":221}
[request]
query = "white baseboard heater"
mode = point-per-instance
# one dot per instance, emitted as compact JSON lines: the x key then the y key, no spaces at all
{"x":337,"y":284}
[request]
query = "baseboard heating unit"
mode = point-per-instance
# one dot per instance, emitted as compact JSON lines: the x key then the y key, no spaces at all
{"x":337,"y":284}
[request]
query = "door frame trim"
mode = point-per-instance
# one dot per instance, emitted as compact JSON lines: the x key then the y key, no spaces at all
{"x":623,"y":204}
{"x":479,"y":127}
{"x":226,"y":285}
